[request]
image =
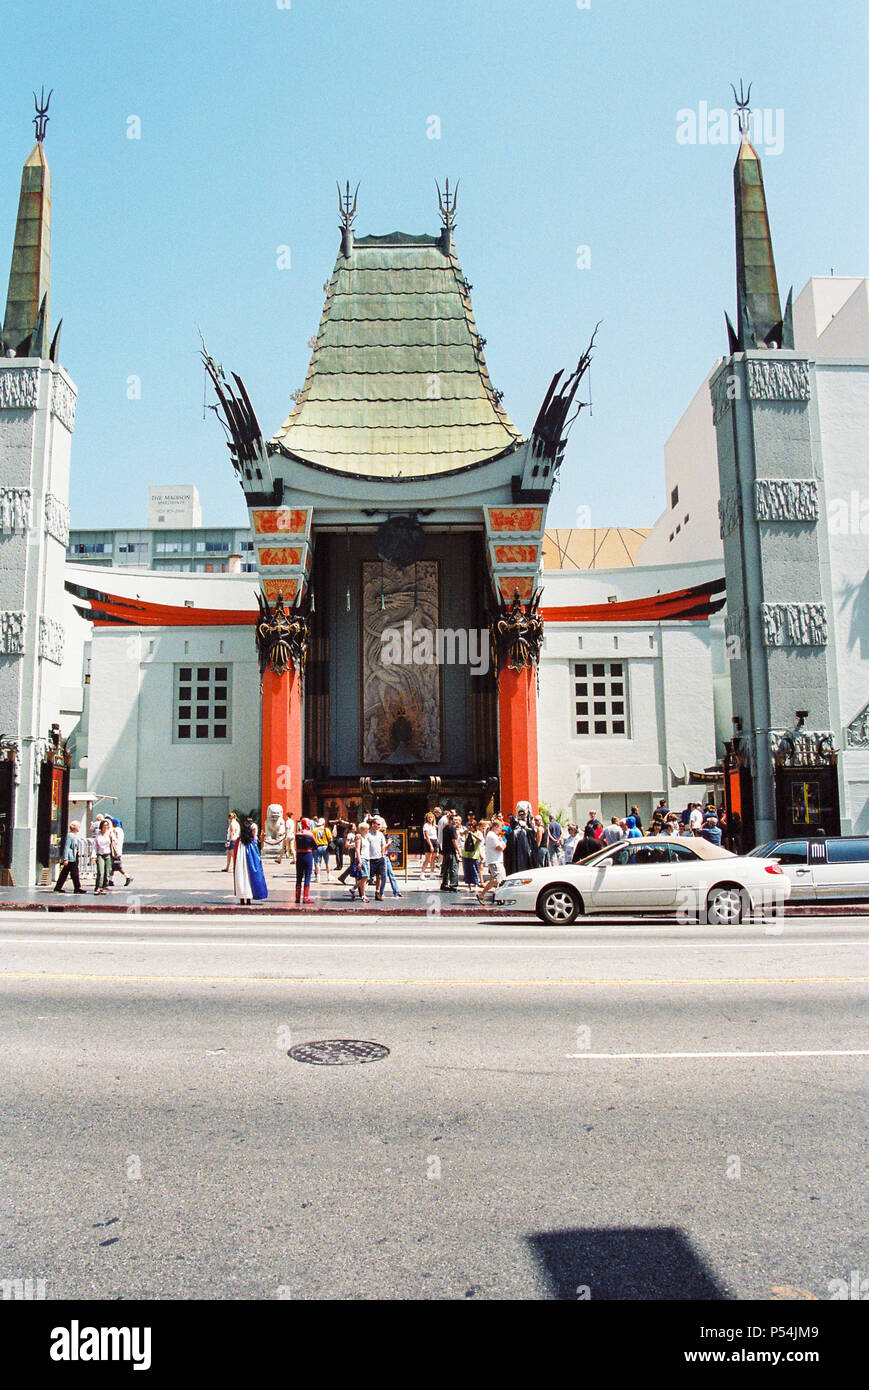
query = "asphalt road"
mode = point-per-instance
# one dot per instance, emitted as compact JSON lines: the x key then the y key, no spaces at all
{"x":624,"y":1110}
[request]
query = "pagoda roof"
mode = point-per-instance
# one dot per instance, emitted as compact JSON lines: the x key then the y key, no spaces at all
{"x":397,"y":384}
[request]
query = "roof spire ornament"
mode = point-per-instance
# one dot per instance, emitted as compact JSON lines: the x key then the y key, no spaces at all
{"x":347,"y":214}
{"x":760,"y":323}
{"x":41,"y":119}
{"x":447,"y":203}
{"x":743,"y":108}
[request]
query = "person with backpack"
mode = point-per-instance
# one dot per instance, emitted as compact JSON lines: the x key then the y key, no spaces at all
{"x":472,"y":853}
{"x":322,"y":840}
{"x":249,"y":881}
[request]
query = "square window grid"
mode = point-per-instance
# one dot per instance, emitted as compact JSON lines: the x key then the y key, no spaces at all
{"x":600,"y":698}
{"x":202,"y":704}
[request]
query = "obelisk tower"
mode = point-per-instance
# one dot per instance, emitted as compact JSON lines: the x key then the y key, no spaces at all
{"x":37,"y":413}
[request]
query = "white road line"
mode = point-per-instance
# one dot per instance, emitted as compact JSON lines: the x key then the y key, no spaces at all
{"x":390,"y":944}
{"x":664,"y":1056}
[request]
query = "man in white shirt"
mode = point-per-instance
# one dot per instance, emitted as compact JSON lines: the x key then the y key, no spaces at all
{"x":494,"y":848}
{"x":376,"y":852}
{"x":613,"y":832}
{"x":695,"y":820}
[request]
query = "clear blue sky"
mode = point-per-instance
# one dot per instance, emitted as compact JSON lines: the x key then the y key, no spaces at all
{"x":559,"y":121}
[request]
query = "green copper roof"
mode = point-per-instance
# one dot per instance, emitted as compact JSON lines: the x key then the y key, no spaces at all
{"x":397,"y":382}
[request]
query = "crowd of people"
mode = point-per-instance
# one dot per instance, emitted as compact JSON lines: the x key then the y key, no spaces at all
{"x":485,"y":850}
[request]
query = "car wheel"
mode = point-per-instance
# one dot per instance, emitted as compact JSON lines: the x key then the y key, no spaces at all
{"x":727,"y":905}
{"x":559,"y":905}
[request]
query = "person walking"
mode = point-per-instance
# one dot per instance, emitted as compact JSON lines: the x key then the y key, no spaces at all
{"x":232,"y":831}
{"x":322,"y":840}
{"x":248,"y":878}
{"x":472,"y":853}
{"x":288,"y":848}
{"x":376,"y":855}
{"x":430,"y":845}
{"x":450,"y":851}
{"x":103,"y":853}
{"x":305,"y":846}
{"x":360,"y":869}
{"x":350,"y":851}
{"x":494,"y":851}
{"x":72,"y":847}
{"x":387,"y":862}
{"x":117,"y":855}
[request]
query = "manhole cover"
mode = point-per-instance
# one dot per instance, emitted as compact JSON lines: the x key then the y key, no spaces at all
{"x":338,"y":1052}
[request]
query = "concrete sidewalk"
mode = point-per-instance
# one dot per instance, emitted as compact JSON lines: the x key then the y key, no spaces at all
{"x":187,"y":883}
{"x":198,"y":883}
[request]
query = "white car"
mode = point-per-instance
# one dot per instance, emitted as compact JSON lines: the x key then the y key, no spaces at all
{"x":653,"y":874}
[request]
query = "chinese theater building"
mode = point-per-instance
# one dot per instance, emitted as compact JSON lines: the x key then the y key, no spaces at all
{"x":398,"y":518}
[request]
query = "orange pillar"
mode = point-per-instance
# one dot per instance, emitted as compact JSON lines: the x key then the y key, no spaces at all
{"x":517,"y":737}
{"x":282,"y":741}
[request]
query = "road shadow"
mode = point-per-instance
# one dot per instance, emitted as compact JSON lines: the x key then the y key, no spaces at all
{"x":623,"y":1263}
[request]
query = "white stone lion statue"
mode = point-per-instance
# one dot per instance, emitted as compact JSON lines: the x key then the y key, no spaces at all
{"x":274,"y":830}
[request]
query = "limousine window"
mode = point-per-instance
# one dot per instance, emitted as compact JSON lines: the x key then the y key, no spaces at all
{"x":792,"y":852}
{"x":848,"y":851}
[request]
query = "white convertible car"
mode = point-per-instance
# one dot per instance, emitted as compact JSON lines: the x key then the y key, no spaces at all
{"x":654,"y":874}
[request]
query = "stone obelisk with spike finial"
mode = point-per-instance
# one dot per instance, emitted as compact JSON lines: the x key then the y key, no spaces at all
{"x":37,"y":412}
{"x":774,"y":535}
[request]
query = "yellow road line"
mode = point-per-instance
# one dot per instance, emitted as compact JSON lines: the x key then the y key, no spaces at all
{"x":369,"y":980}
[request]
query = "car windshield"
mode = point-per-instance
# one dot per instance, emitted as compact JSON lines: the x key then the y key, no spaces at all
{"x":595,"y":857}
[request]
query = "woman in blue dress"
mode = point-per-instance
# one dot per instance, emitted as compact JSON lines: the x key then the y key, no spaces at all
{"x":247,"y":870}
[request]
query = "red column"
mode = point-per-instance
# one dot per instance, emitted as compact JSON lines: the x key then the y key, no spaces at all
{"x":282,"y":741}
{"x":517,"y":737}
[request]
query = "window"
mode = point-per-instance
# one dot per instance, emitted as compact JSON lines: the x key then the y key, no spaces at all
{"x":681,"y":854}
{"x":674,"y":497}
{"x":600,"y":698}
{"x":848,"y":851}
{"x":646,"y":854}
{"x":202,"y":704}
{"x":791,"y":852}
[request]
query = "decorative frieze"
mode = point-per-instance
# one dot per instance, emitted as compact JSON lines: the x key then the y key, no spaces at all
{"x":857,"y":732}
{"x":11,"y":633}
{"x":19,"y":388}
{"x":51,"y":640}
{"x":63,"y":403}
{"x":802,"y":747}
{"x":778,"y":379}
{"x":786,"y":499}
{"x":14,"y":509}
{"x":734,"y":634}
{"x":57,"y":518}
{"x":723,"y":390}
{"x":794,"y":624}
{"x":729,"y":512}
